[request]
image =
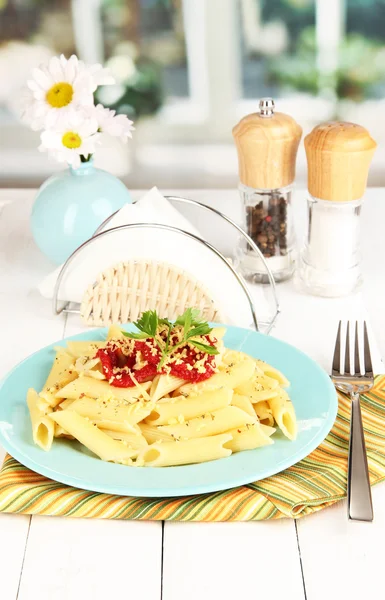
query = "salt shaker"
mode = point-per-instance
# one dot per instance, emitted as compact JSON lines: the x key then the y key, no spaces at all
{"x":267,"y":144}
{"x":338,"y":156}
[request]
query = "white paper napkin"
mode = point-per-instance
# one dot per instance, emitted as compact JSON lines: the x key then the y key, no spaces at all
{"x":156,"y":245}
{"x":151,"y":208}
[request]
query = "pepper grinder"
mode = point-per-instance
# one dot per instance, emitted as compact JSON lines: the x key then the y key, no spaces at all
{"x":267,"y":144}
{"x":338,"y":155}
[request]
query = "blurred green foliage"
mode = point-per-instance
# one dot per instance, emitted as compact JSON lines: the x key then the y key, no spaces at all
{"x":142,"y":94}
{"x":361,"y":66}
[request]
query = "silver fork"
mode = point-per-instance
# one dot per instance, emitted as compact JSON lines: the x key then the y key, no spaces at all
{"x":360,"y":506}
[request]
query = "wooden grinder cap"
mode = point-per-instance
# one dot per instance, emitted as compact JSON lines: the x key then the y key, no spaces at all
{"x":338,"y":156}
{"x":267,"y":144}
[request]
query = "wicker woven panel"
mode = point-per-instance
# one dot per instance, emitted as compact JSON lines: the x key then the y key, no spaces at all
{"x":124,"y":291}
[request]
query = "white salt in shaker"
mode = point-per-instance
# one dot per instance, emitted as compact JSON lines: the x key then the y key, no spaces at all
{"x":338,"y":156}
{"x":267,"y":143}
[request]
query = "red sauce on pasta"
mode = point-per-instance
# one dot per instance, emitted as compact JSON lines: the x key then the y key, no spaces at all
{"x":127,"y":361}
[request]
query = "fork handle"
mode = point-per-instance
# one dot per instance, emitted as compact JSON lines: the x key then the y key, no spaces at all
{"x":360,"y":506}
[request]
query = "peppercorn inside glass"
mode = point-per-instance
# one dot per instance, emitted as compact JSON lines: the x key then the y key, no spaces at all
{"x":268,"y":221}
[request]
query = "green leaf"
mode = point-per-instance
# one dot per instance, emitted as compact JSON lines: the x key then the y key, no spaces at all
{"x":202,"y":329}
{"x":148,"y":322}
{"x":196,"y":317}
{"x":182,"y":318}
{"x":204,"y":347}
{"x":135,"y":336}
{"x":190,"y":316}
{"x":165,"y":322}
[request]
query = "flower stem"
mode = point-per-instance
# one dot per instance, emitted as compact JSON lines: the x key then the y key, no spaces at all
{"x":85,"y":159}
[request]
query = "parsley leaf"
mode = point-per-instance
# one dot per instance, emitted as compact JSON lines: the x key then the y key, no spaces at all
{"x":193,"y":326}
{"x":204,"y":347}
{"x":202,"y":329}
{"x":135,"y":336}
{"x":148,"y":322}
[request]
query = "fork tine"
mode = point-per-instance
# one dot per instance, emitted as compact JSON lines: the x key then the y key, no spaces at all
{"x":367,"y":357}
{"x":337,"y":352}
{"x":356,"y":365}
{"x":347,"y":350}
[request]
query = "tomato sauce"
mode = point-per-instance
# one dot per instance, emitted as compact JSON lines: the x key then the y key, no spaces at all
{"x":142,"y":360}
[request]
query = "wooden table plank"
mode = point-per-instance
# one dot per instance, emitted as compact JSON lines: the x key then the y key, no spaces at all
{"x":341,"y":558}
{"x":88,"y":559}
{"x":13,"y":540}
{"x":231,"y":560}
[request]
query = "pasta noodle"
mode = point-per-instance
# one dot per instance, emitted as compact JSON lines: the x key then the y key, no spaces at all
{"x":166,"y":454}
{"x":87,"y":386}
{"x":248,"y":438}
{"x":264,"y":413}
{"x":92,"y":438}
{"x":164,"y":384}
{"x":231,"y":377}
{"x":171,"y":395}
{"x":259,"y":388}
{"x":243,"y":403}
{"x":188,"y":408}
{"x":42,"y":427}
{"x":111,"y":414}
{"x":212,"y":423}
{"x":273,"y":373}
{"x":284,"y":415}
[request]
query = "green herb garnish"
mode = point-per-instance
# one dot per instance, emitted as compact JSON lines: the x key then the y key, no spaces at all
{"x":193,"y":326}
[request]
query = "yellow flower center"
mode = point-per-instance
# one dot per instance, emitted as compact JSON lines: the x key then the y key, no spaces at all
{"x":60,"y":95}
{"x":71,"y":140}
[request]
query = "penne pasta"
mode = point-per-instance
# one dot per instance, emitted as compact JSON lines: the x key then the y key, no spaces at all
{"x":188,"y":408}
{"x":61,"y":374}
{"x":248,"y":438}
{"x":64,"y":404}
{"x":135,"y":440}
{"x":60,"y":432}
{"x":284,"y":414}
{"x":111,"y":415}
{"x":91,"y":367}
{"x":42,"y":427}
{"x":264,"y":413}
{"x":164,"y":384}
{"x":273,"y":373}
{"x":93,"y":438}
{"x":207,"y":424}
{"x":243,"y":403}
{"x":62,"y":362}
{"x":115,"y":333}
{"x":218,"y":333}
{"x":267,"y":429}
{"x":232,"y":357}
{"x":80,"y":348}
{"x":99,"y":389}
{"x":153,"y":434}
{"x":231,"y":378}
{"x":259,"y":388}
{"x":165,"y":454}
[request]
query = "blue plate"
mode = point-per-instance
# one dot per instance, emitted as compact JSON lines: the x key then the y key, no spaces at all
{"x":311,"y":391}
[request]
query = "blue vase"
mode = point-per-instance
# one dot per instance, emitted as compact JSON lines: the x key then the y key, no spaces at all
{"x":71,"y":205}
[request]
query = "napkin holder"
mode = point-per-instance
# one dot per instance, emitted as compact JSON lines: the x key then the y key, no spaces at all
{"x":124,"y":290}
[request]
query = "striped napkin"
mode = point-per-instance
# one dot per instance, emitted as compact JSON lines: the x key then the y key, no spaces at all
{"x":312,"y":484}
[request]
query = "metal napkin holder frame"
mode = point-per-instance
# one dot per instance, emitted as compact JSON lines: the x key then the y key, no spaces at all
{"x":73,"y":308}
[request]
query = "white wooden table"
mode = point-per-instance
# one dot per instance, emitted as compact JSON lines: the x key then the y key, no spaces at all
{"x":69,"y":559}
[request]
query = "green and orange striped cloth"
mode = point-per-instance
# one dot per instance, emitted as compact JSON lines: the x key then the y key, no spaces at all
{"x":312,"y":484}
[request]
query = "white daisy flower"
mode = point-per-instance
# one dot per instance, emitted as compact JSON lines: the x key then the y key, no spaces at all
{"x":109,"y":122}
{"x":78,"y":138}
{"x":60,"y":87}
